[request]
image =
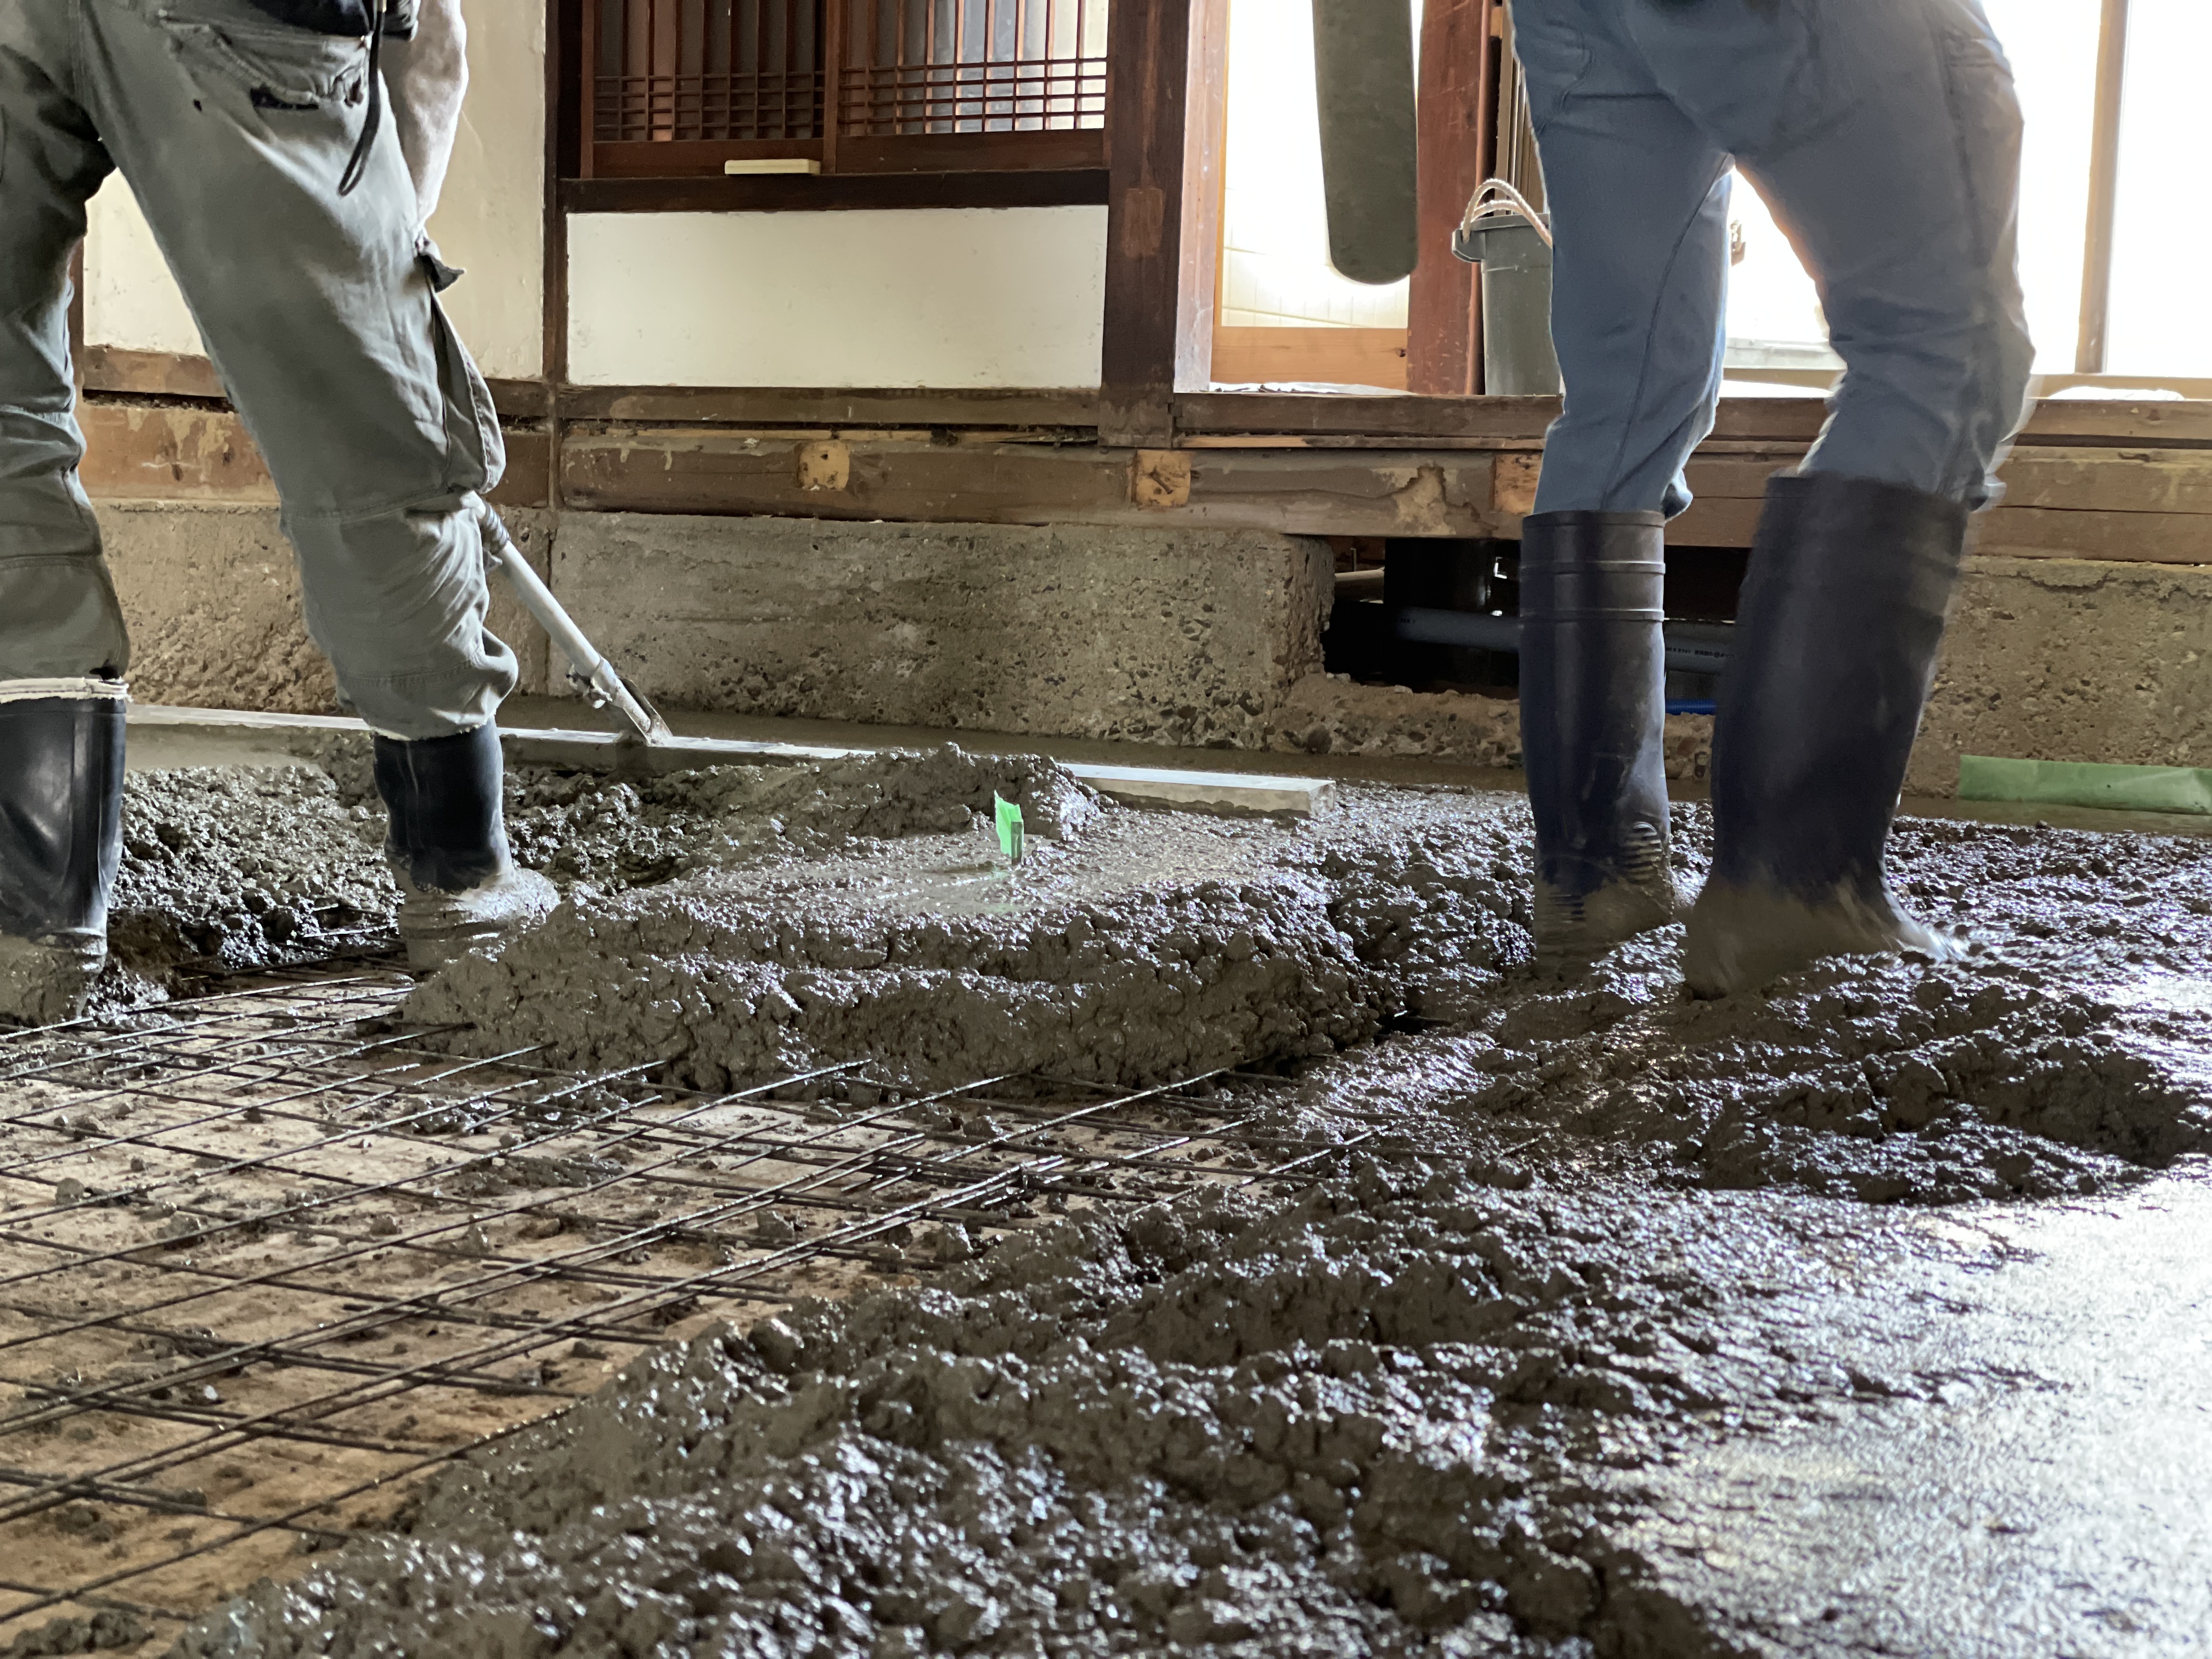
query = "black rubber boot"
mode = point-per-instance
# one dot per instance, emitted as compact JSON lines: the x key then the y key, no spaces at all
{"x":1840,"y":621}
{"x":61,"y":832}
{"x":1593,"y":728}
{"x":447,"y":847}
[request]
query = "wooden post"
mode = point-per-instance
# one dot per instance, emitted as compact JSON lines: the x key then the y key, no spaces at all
{"x":2103,"y":189}
{"x":1458,"y":140}
{"x":1166,"y":89}
{"x":586,"y":18}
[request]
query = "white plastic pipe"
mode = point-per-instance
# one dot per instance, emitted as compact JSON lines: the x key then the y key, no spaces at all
{"x":589,"y":666}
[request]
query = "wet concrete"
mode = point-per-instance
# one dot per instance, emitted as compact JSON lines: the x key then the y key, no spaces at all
{"x":1864,"y":1315}
{"x":2024,"y":1466}
{"x":1131,"y":947}
{"x":1409,"y":1413}
{"x":740,"y":923}
{"x":229,"y":866}
{"x":226,"y":867}
{"x":2062,"y":1055}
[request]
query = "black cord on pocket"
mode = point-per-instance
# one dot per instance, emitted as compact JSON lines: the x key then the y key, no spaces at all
{"x":356,"y":166}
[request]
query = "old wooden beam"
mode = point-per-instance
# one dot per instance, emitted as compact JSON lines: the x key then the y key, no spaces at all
{"x":137,"y":452}
{"x":832,"y":407}
{"x":148,"y":374}
{"x":1386,"y":421}
{"x":1352,"y":493}
{"x":2092,"y":501}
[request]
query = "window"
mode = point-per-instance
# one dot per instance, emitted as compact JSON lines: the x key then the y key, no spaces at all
{"x":683,"y":87}
{"x":1284,"y":316}
{"x":2159,"y":320}
{"x":2111,"y":247}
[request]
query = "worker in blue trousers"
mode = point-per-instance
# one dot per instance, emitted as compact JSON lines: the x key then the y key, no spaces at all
{"x":1885,"y":136}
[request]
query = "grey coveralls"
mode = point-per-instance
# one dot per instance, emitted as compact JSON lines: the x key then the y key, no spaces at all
{"x":1887,"y":134}
{"x":320,"y":312}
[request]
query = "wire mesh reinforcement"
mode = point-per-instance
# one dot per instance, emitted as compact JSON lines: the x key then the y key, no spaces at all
{"x":267,"y":1258}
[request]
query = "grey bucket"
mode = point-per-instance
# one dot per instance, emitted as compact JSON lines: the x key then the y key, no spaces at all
{"x":1517,"y":359}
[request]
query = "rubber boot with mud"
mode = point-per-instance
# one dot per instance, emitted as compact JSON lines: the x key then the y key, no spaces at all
{"x":460,"y":890}
{"x":1838,"y":626}
{"x":61,"y":833}
{"x":1594,"y":729}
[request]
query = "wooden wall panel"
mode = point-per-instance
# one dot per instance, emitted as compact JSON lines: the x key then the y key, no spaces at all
{"x":2120,"y":504}
{"x":1348,"y":356}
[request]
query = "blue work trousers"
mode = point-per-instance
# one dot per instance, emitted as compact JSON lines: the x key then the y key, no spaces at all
{"x":1884,"y":135}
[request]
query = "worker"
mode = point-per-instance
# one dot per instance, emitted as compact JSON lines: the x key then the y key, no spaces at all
{"x":1884,"y":135}
{"x":288,"y":186}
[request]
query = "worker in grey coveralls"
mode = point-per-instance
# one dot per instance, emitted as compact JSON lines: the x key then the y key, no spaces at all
{"x":288,"y":183}
{"x":1885,"y":136}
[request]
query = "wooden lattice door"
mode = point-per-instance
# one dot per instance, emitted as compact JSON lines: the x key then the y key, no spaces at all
{"x":676,"y":87}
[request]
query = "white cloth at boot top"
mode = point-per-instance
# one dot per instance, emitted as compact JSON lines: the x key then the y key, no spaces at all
{"x":427,"y":76}
{"x":42,"y":690}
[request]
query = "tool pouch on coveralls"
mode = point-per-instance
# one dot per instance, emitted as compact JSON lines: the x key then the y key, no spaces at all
{"x":348,"y":17}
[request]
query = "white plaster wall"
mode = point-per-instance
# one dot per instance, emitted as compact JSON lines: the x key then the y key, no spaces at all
{"x":490,"y":220}
{"x":914,"y":297}
{"x":129,"y":300}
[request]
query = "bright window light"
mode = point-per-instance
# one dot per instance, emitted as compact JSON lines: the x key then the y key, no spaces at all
{"x":1275,"y":269}
{"x":2160,"y":323}
{"x":2053,"y":47}
{"x":1774,"y":314}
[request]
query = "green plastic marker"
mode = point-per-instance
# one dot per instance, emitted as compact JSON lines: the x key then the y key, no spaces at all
{"x":1011,"y":840}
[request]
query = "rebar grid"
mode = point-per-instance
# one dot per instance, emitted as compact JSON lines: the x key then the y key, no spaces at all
{"x":264,"y":1254}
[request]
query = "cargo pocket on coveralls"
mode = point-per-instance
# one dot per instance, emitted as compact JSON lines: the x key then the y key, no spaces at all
{"x":289,"y":70}
{"x":476,"y":451}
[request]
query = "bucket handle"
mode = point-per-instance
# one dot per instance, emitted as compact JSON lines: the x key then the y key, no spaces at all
{"x":1497,"y":192}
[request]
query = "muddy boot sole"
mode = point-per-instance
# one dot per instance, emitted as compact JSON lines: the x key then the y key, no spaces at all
{"x":440,"y":928}
{"x":1741,"y":940}
{"x":44,"y":983}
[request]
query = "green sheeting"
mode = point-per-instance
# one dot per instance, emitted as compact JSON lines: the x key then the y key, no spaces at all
{"x":2084,"y":783}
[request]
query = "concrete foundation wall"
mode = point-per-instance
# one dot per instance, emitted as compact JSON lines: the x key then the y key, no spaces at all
{"x":1173,"y":636}
{"x":2072,"y":660}
{"x":211,"y":594}
{"x":1176,"y":636}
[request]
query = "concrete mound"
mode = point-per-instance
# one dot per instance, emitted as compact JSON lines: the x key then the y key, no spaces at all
{"x":228,"y":867}
{"x":1155,"y":946}
{"x":742,"y":922}
{"x":2067,"y":1053}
